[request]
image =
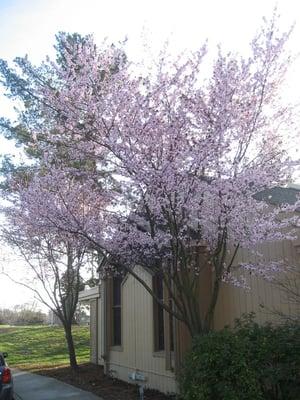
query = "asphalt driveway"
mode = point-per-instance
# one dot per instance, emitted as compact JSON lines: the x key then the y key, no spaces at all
{"x":36,"y":387}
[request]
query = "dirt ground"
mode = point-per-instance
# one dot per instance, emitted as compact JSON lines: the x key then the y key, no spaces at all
{"x":90,"y":377}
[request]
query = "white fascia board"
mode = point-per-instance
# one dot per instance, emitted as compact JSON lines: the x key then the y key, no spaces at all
{"x":90,"y":294}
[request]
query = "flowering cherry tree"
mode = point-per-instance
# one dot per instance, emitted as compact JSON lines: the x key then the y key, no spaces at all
{"x":189,"y":154}
{"x":56,"y":258}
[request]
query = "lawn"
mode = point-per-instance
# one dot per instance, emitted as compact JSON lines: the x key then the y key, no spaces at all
{"x":42,"y":349}
{"x":36,"y":347}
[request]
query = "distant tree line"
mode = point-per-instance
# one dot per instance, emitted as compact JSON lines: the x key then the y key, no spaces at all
{"x":21,"y":315}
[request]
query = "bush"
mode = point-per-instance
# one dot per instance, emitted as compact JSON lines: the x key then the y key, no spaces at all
{"x":250,"y":362}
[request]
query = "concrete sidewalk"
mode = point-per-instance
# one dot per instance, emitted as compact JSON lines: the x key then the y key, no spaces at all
{"x":29,"y":386}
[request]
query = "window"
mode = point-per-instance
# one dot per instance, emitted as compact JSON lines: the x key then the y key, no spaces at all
{"x":163,"y":322}
{"x":116,"y":312}
{"x":158,"y":315}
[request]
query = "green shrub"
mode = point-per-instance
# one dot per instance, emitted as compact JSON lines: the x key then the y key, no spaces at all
{"x":275,"y":355}
{"x":250,"y":362}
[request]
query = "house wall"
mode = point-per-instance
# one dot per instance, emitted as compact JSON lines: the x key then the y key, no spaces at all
{"x":92,"y":296}
{"x":97,"y":333}
{"x":137,"y":350}
{"x":263,"y":297}
{"x":101,"y":330}
{"x":94,"y":331}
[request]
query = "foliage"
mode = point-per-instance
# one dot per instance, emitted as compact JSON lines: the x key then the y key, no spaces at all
{"x":29,"y":132}
{"x":251,"y":362}
{"x":189,"y":155}
{"x":56,"y":258}
{"x":42,"y":346}
{"x":56,"y":261}
{"x":275,"y":353}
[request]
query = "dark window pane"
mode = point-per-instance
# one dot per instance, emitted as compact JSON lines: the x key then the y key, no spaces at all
{"x":117,"y":326}
{"x":171,"y":331}
{"x":158,"y":311}
{"x":117,"y":291}
{"x":160,"y":329}
{"x":160,"y":291}
{"x":116,"y":311}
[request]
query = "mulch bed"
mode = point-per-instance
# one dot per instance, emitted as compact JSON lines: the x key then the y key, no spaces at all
{"x":91,"y":378}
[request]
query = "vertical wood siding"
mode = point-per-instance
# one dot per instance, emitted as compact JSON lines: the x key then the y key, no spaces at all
{"x":137,"y":350}
{"x":101,"y":332}
{"x":264,"y":298}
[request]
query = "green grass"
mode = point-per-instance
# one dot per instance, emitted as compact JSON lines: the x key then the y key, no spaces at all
{"x":35,"y":347}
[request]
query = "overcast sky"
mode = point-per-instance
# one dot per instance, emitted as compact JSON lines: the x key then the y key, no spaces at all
{"x":29,"y":27}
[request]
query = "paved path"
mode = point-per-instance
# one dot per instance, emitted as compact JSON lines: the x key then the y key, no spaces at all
{"x":37,"y":387}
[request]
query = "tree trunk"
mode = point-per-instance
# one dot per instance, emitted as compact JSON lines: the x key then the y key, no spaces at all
{"x":195,"y":322}
{"x":212,"y":306}
{"x":71,"y":347}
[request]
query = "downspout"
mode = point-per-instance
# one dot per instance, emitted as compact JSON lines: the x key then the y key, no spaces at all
{"x":105,"y":354}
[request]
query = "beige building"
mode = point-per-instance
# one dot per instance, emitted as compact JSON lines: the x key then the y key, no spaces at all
{"x":135,"y":340}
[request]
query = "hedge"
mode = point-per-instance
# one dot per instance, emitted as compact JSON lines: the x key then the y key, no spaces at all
{"x":249,"y":362}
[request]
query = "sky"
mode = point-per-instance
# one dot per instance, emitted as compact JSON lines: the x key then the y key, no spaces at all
{"x":29,"y":27}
